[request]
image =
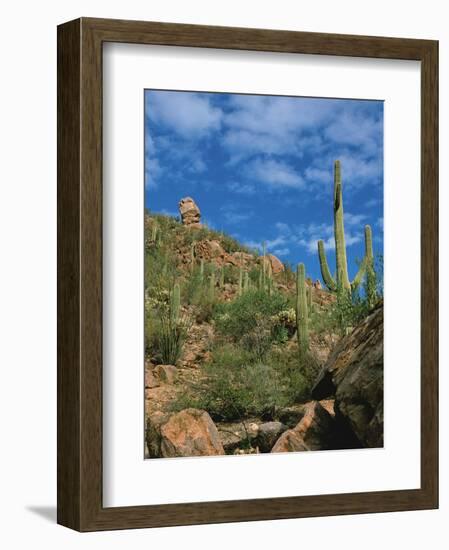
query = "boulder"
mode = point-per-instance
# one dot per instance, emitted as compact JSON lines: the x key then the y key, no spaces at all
{"x":276,"y":265}
{"x":354,"y":375}
{"x":235,"y":435}
{"x":190,"y":432}
{"x":269,"y":433}
{"x":153,"y":433}
{"x":209,"y":250}
{"x":240,"y":258}
{"x":150,"y":380}
{"x":190,"y":213}
{"x":314,"y":432}
{"x":289,"y":442}
{"x":291,"y":416}
{"x":166,"y":373}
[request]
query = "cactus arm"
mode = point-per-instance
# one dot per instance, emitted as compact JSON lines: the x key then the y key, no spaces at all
{"x":302,"y":314}
{"x":368,"y":244}
{"x":329,"y":281}
{"x":367,"y":261}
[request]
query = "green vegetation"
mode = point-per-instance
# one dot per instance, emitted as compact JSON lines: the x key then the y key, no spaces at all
{"x":249,"y":313}
{"x":237,"y":387}
{"x":261,"y":357}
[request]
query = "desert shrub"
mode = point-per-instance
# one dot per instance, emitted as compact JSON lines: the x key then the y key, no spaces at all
{"x":284,"y":324}
{"x":258,"y":340}
{"x":243,"y":315}
{"x":152,"y":331}
{"x":228,"y":243}
{"x":165,"y":329}
{"x":236,"y":392}
{"x":197,"y":292}
{"x":236,"y":385}
{"x":298,"y":373}
{"x":350,"y":309}
{"x":288,"y":276}
{"x":171,"y":338}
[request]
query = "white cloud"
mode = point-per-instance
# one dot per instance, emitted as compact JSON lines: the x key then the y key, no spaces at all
{"x":281,"y":252}
{"x":277,"y":241}
{"x":371,"y":203}
{"x":275,"y":174}
{"x":351,"y":128}
{"x":309,"y":235}
{"x":241,"y":188}
{"x":153,"y":168}
{"x":197,"y":166}
{"x":273,"y":125}
{"x":242,"y":144}
{"x":356,"y":171}
{"x":189,"y":114}
{"x":283,"y":228}
{"x":354,"y":219}
{"x":232,"y":214}
{"x":236,"y":217}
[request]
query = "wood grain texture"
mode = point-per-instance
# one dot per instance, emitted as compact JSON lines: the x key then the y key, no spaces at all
{"x":69,"y":407}
{"x":80,"y":274}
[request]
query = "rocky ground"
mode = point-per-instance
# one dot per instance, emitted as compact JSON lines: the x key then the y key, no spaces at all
{"x":347,"y":412}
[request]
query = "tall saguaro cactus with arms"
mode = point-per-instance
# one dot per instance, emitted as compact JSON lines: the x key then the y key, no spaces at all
{"x":342,"y":278}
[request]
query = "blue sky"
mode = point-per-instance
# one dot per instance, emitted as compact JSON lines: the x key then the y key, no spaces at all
{"x":260,"y":168}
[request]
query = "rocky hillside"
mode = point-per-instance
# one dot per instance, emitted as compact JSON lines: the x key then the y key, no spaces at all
{"x":223,"y":371}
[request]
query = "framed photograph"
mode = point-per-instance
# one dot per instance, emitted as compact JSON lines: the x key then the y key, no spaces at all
{"x":240,"y":213}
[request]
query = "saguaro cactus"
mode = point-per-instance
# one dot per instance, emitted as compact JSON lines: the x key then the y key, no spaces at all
{"x":342,"y":278}
{"x":302,"y":315}
{"x":154,"y":232}
{"x":175,"y":302}
{"x":212,"y":285}
{"x":246,"y":282}
{"x":264,"y":250}
{"x":192,"y":256}
{"x":201,"y":270}
{"x":240,"y":281}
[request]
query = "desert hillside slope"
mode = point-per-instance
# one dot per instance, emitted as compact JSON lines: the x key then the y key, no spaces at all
{"x":226,"y":371}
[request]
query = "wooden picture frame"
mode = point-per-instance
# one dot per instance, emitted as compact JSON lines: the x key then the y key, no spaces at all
{"x":80,"y":504}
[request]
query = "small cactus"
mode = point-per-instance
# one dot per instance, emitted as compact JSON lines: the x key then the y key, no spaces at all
{"x":269,"y":278}
{"x":212,"y":285}
{"x":176,"y":302}
{"x":192,"y":256}
{"x":264,"y":269}
{"x":246,"y":282}
{"x":201,"y":270}
{"x":154,"y":231}
{"x":301,"y":311}
{"x":240,"y":281}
